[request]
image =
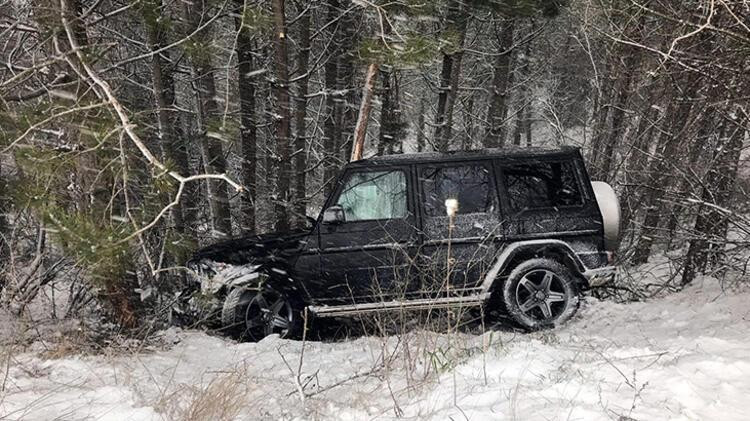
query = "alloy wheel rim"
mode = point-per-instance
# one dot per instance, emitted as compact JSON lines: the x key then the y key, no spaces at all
{"x":540,"y":294}
{"x":266,"y":314}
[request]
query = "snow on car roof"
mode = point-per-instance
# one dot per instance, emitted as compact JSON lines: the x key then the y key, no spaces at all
{"x":464,"y":155}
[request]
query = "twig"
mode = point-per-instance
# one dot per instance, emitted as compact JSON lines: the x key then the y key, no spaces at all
{"x":297,"y":382}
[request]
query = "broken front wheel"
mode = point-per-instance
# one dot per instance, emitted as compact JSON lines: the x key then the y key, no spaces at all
{"x":254,"y":314}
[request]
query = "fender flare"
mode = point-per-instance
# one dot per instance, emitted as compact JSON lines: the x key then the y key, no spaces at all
{"x":507,"y":255}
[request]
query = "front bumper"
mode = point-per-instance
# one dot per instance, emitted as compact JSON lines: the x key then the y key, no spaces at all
{"x":600,"y":276}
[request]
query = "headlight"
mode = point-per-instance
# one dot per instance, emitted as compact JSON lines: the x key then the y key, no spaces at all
{"x":217,"y":275}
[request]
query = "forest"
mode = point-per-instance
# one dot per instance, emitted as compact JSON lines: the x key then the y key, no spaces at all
{"x":133,"y":132}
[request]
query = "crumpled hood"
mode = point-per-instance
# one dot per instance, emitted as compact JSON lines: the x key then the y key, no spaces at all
{"x":256,"y":249}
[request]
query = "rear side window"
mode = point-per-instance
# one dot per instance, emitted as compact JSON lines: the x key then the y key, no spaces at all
{"x":542,"y":185}
{"x":469,"y":184}
{"x":369,"y":196}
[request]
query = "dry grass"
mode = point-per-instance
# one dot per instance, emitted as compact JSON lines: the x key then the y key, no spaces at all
{"x":67,"y":343}
{"x":222,"y":399}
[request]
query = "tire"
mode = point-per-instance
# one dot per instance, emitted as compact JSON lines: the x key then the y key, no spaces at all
{"x":254,"y":314}
{"x":540,"y":293}
{"x":233,"y":310}
{"x":609,"y":206}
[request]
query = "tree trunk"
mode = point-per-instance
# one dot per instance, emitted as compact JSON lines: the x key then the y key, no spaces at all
{"x":73,"y":11}
{"x":602,"y":109}
{"x":212,"y":149}
{"x":330,"y":124}
{"x":467,"y":143}
{"x":347,"y":81}
{"x":248,"y":128}
{"x":498,"y":110}
{"x":632,"y":61}
{"x":457,"y":22}
{"x":360,"y":131}
{"x":4,"y":245}
{"x":384,"y":137}
{"x":399,"y":131}
{"x":281,"y":94}
{"x":300,"y":123}
{"x":172,"y":142}
{"x":518,"y":130}
{"x":420,"y":126}
{"x":446,"y":131}
{"x":390,"y":116}
{"x":527,"y":123}
{"x":523,"y":115}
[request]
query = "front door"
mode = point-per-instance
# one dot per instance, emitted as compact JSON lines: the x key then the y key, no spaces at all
{"x":368,"y":255}
{"x":456,"y":254}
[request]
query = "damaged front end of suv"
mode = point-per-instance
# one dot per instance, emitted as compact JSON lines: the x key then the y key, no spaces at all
{"x":220,"y":274}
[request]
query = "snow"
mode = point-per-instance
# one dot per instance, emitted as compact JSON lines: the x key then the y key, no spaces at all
{"x":685,"y":356}
{"x":255,"y":73}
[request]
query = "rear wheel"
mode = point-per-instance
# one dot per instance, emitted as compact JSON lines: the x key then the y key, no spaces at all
{"x":540,"y":293}
{"x":255,"y":314}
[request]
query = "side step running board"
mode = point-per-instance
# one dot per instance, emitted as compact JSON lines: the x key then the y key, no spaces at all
{"x":420,"y":304}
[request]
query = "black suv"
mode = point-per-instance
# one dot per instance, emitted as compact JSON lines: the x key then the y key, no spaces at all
{"x":525,"y":227}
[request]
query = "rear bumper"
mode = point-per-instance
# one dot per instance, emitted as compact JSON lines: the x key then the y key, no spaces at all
{"x":600,"y":276}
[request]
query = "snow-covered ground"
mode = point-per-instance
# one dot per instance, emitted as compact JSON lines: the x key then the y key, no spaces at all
{"x":682,"y":357}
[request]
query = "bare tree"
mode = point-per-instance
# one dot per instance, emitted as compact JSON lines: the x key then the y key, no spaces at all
{"x":360,"y":130}
{"x":246,"y":81}
{"x":710,"y":231}
{"x":501,"y":79}
{"x":209,"y":125}
{"x":331,"y":127}
{"x":300,"y":115}
{"x":456,"y":24}
{"x":284,"y":117}
{"x":4,"y":232}
{"x":173,"y":143}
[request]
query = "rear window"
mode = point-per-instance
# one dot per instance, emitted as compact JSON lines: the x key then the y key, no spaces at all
{"x":542,"y":185}
{"x":469,"y":184}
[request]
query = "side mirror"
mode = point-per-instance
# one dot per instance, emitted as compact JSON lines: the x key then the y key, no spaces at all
{"x":334,"y":215}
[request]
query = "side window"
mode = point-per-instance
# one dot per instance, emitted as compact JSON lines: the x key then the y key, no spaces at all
{"x":469,"y":184}
{"x":376,"y":195}
{"x":542,"y":185}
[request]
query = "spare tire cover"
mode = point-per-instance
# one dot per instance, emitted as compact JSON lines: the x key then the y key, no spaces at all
{"x":609,"y":206}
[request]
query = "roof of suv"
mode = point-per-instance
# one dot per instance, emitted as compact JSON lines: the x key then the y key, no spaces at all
{"x":422,"y":157}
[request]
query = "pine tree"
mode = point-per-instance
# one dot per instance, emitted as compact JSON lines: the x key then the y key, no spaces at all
{"x":209,"y":125}
{"x":283,"y":119}
{"x":245,"y":24}
{"x":300,"y":117}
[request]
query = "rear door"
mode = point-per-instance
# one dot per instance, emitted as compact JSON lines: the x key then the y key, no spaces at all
{"x":455,"y":254}
{"x":369,"y":255}
{"x":545,"y":198}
